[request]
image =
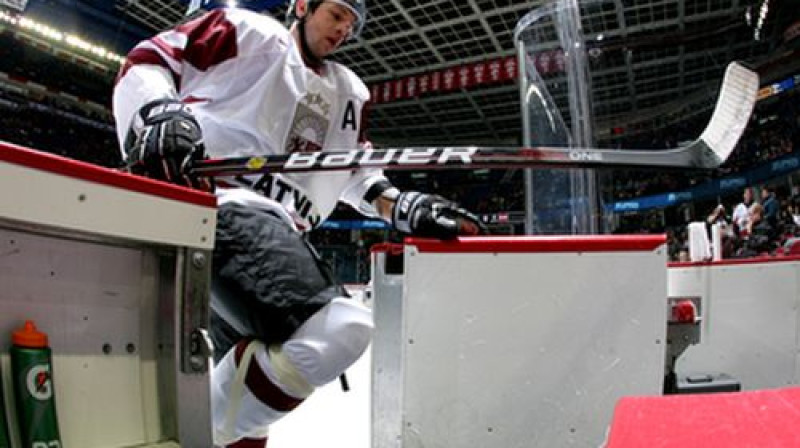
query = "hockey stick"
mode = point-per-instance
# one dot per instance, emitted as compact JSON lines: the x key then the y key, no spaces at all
{"x":728,"y":121}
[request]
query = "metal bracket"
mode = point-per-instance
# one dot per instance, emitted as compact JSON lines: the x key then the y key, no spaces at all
{"x":195,"y":344}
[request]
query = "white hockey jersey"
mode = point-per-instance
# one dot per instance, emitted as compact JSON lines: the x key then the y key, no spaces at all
{"x":244,"y":77}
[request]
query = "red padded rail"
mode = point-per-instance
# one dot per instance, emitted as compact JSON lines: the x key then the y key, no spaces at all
{"x":519,"y":244}
{"x":763,"y":418}
{"x":52,"y":163}
{"x":736,"y":261}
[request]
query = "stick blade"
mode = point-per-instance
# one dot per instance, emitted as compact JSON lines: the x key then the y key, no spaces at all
{"x":732,"y":112}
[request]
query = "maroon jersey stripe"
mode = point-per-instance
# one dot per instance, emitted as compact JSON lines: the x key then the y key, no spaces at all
{"x":248,"y":443}
{"x":262,"y":387}
{"x":212,"y":40}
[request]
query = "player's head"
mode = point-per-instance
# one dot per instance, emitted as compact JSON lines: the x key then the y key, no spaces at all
{"x":321,"y":26}
{"x":300,"y":10}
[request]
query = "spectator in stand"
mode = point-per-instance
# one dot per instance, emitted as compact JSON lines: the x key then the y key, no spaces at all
{"x":741,"y":213}
{"x":771,"y":206}
{"x":796,"y":215}
{"x":787,"y":227}
{"x":795,"y":199}
{"x":719,"y":217}
{"x":760,"y":235}
{"x":683,"y":254}
{"x":792,"y":242}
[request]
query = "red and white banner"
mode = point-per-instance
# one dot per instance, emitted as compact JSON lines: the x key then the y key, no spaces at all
{"x":466,"y":76}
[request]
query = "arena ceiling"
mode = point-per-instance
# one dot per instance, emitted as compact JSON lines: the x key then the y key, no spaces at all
{"x":652,"y":53}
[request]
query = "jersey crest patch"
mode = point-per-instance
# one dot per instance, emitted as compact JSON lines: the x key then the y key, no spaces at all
{"x":310,"y":124}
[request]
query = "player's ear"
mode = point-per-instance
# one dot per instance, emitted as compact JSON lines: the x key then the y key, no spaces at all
{"x":300,"y":8}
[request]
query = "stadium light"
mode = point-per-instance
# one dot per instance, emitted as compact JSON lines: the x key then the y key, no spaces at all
{"x":56,"y":35}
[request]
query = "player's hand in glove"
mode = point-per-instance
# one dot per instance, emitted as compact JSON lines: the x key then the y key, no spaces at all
{"x":168,"y":141}
{"x":433,"y":216}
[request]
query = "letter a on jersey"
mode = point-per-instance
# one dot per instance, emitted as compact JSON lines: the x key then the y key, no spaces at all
{"x":349,"y":117}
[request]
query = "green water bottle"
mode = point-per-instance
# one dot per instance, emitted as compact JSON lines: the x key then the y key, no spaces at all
{"x":4,"y":438}
{"x":33,"y":388}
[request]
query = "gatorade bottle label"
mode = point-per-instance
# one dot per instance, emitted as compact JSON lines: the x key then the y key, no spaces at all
{"x":42,"y":431}
{"x":40,"y":387}
{"x":38,"y":381}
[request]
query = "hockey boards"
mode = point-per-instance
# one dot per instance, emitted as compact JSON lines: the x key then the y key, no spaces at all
{"x":730,"y":117}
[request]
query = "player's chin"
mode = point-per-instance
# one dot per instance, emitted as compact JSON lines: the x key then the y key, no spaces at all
{"x":322,"y":50}
{"x":332,"y":44}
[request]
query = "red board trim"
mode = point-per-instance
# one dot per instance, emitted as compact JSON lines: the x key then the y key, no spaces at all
{"x":736,"y":261}
{"x":520,"y":244}
{"x":762,"y":418}
{"x":52,"y":163}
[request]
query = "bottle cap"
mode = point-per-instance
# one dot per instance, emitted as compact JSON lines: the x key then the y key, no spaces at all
{"x":29,"y":336}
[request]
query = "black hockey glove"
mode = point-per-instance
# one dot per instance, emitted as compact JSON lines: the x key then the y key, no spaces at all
{"x":169,"y":141}
{"x":433,"y":216}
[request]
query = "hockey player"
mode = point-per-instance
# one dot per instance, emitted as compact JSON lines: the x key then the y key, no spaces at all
{"x":236,"y":83}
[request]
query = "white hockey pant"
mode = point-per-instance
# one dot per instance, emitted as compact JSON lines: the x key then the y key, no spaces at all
{"x":254,"y":385}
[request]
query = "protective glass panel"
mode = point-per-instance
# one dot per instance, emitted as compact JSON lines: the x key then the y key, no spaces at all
{"x":635,"y":74}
